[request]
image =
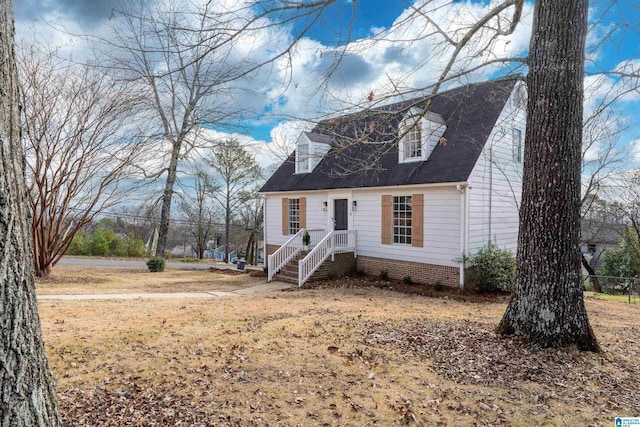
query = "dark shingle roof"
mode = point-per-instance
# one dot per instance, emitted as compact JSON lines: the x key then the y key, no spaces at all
{"x":470,"y":113}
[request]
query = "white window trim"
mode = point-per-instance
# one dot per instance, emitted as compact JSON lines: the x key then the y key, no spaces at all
{"x":308,"y":159}
{"x":407,"y":129}
{"x":517,"y":145}
{"x":393,"y":225}
{"x":293,"y":207}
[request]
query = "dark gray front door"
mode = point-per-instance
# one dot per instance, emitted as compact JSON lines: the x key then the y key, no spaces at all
{"x":340,"y":214}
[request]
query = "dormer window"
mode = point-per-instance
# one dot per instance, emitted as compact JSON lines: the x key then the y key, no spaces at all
{"x":413,"y":143}
{"x":419,"y":134}
{"x":302,"y":161}
{"x":310,"y":149}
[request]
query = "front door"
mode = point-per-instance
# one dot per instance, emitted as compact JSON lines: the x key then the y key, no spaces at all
{"x":340,"y":214}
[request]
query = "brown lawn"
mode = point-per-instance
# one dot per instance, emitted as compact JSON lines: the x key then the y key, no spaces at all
{"x":68,"y":280}
{"x":329,"y":357}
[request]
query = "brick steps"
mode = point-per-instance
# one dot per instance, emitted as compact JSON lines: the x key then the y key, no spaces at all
{"x":343,"y":264}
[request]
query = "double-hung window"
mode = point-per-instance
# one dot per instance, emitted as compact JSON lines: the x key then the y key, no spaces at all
{"x":412,"y":142}
{"x":402,"y":219}
{"x":517,"y":145}
{"x":294,"y":216}
{"x":303,"y":157}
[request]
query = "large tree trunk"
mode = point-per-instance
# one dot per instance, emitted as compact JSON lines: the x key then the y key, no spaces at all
{"x":27,"y":395}
{"x":547,"y":307}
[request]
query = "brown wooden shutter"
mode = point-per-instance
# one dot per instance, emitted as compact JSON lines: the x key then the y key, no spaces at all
{"x":386,"y":224}
{"x":303,"y":212}
{"x":285,"y":216}
{"x":417,"y":219}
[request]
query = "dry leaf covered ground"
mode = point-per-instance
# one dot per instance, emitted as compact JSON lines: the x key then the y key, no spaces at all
{"x":330,"y":356}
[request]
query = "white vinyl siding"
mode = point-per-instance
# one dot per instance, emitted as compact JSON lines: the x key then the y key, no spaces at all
{"x":441,"y":232}
{"x":496,"y":184}
{"x":441,"y":218}
{"x":315,"y":216}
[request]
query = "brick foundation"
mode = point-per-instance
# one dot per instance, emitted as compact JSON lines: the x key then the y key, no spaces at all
{"x":419,"y":272}
{"x":342,"y":264}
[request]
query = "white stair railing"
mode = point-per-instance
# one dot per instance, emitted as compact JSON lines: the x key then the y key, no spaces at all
{"x":314,"y":259}
{"x":333,"y":243}
{"x":291,"y":248}
{"x":284,"y":254}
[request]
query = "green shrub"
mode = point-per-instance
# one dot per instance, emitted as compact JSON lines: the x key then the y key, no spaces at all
{"x":438,"y":286}
{"x":100,"y":244}
{"x":616,"y":264}
{"x":492,"y":269}
{"x":407,"y":280}
{"x":384,"y":275}
{"x":135,"y":247}
{"x":156,"y":264}
{"x":360,"y":272}
{"x":80,"y":244}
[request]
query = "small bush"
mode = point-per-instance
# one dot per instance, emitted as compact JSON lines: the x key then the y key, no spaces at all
{"x":156,"y":264}
{"x":492,"y":269}
{"x":407,"y":280}
{"x":360,"y":272}
{"x":384,"y":275}
{"x":438,"y":286}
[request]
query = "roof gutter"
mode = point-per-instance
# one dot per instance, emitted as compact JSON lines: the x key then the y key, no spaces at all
{"x":394,"y":187}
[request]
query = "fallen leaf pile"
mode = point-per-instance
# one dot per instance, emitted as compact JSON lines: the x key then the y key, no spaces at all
{"x":470,"y":353}
{"x":142,"y":405}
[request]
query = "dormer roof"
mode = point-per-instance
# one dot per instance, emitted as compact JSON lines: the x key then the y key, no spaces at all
{"x":317,"y":137}
{"x":470,"y":112}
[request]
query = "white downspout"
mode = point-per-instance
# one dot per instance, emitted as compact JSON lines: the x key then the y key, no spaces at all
{"x":463,"y":230}
{"x":265,"y":255}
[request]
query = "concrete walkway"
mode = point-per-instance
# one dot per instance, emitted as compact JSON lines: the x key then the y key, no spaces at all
{"x":262,"y":288}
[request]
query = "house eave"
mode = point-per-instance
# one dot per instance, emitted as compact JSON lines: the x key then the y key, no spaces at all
{"x":381,"y":188}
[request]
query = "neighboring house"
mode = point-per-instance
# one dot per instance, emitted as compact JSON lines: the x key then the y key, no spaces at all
{"x":396,"y":189}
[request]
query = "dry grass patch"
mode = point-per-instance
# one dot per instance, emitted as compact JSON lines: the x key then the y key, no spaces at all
{"x":330,"y":357}
{"x":67,"y":280}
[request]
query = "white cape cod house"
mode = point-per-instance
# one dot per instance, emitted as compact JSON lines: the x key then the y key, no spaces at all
{"x":397,"y":189}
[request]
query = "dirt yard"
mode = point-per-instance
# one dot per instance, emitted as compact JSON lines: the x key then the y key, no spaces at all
{"x":330,"y":356}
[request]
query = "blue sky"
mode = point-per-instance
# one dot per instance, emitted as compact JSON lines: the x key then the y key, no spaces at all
{"x":375,"y":57}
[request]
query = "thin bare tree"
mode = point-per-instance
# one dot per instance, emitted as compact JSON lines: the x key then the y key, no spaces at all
{"x":170,"y":51}
{"x":235,"y":170}
{"x":199,"y":213}
{"x":80,"y":140}
{"x":251,"y":214}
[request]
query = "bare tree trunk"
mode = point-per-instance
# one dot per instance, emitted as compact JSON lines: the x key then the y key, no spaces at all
{"x":248,"y":250}
{"x":27,"y":394}
{"x":592,"y":274}
{"x":547,"y":307}
{"x":165,"y":213}
{"x":227,"y":223}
